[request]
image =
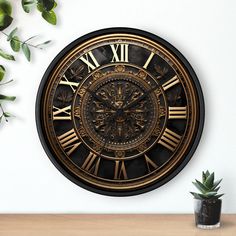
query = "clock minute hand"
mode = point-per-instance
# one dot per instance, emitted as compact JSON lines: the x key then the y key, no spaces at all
{"x":107,"y":104}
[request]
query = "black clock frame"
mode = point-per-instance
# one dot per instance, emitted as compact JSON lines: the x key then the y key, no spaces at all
{"x":42,"y":134}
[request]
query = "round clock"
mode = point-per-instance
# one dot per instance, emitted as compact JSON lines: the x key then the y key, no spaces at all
{"x":120,"y":111}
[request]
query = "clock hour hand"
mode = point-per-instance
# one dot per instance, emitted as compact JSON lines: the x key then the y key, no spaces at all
{"x":140,"y":98}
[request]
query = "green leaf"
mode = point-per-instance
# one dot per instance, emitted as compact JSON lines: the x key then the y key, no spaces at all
{"x":200,"y":186}
{"x":2,"y":72}
{"x":203,"y":177}
{"x":47,"y":5}
{"x":209,"y":181}
{"x":9,"y":81}
{"x":13,"y":32}
{"x":7,"y":114}
{"x":27,"y":5}
{"x":216,"y":183}
{"x":5,"y":6}
{"x":30,"y":38}
{"x":219,"y":195}
{"x":15,"y":44}
{"x":207,"y":173}
{"x":7,"y":98}
{"x":44,"y":43}
{"x":6,"y":56}
{"x":5,"y":14}
{"x":215,"y":189}
{"x":26,"y":51}
{"x":40,"y":7}
{"x":196,"y":195}
{"x":55,"y":5}
{"x":50,"y":17}
{"x":5,"y":20}
{"x":210,"y":194}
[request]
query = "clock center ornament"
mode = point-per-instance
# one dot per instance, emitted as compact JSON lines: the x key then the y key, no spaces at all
{"x":120,"y":111}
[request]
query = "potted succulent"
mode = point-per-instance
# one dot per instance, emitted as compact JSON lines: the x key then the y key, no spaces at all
{"x":207,"y":205}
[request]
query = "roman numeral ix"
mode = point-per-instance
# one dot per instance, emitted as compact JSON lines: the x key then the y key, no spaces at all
{"x":62,"y":113}
{"x":65,"y":81}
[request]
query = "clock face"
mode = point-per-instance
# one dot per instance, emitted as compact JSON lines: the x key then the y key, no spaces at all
{"x":120,"y":111}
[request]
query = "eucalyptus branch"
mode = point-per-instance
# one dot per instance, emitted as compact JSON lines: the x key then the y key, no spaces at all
{"x":4,"y":97}
{"x":17,"y":44}
{"x":46,"y":9}
{"x":18,"y":40}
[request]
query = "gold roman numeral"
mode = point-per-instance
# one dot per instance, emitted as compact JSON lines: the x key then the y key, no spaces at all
{"x":68,"y":141}
{"x":120,"y":170}
{"x":91,"y":163}
{"x":148,"y":60}
{"x":171,"y":82}
{"x":65,"y":81}
{"x":120,"y":52}
{"x":87,"y":58}
{"x":169,"y":139}
{"x":177,"y":113}
{"x":150,"y":164}
{"x":62,"y":113}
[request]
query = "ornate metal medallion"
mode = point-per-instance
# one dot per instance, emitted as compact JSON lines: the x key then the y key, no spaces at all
{"x":120,"y":111}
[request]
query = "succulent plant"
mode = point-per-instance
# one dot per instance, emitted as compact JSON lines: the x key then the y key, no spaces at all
{"x":208,"y":187}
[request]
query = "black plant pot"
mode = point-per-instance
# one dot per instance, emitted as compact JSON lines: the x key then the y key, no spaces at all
{"x":207,"y":213}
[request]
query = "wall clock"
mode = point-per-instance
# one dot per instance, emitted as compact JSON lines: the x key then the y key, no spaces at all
{"x":120,"y":111}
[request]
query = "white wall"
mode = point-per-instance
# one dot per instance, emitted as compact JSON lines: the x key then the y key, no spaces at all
{"x":204,"y":31}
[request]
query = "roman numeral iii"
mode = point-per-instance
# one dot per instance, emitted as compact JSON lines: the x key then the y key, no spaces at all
{"x":169,"y":139}
{"x":69,"y":141}
{"x":120,"y":52}
{"x":90,"y":61}
{"x":177,"y":113}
